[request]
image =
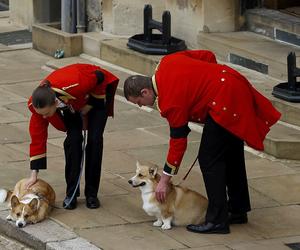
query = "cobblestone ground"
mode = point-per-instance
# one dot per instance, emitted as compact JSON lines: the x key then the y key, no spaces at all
{"x":10,"y":244}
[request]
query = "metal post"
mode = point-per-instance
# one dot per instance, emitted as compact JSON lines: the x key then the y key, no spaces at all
{"x":81,"y":20}
{"x":66,"y":16}
{"x":147,"y":19}
{"x":291,"y":66}
{"x":166,"y":27}
{"x":73,"y":16}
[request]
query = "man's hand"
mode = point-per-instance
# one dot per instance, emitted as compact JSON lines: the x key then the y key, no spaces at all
{"x":32,"y":179}
{"x":162,"y":188}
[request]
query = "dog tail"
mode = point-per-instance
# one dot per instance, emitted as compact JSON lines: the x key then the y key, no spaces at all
{"x":4,"y":195}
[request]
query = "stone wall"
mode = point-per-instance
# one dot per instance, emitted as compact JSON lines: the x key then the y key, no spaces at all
{"x":28,"y":12}
{"x":94,"y":16}
{"x":188,"y":17}
{"x":125,"y":17}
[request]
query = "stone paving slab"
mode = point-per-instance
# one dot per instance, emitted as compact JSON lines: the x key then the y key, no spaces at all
{"x":9,"y":244}
{"x":20,"y":108}
{"x":260,"y":200}
{"x":73,"y":244}
{"x":259,"y":167}
{"x":87,"y":218}
{"x":36,"y":236}
{"x":9,"y":116}
{"x":128,"y":119}
{"x":10,"y":134}
{"x":130,"y":236}
{"x":130,"y":209}
{"x":275,"y":222}
{"x":24,"y":65}
{"x":131,"y":139}
{"x":23,"y":89}
{"x":7,"y":97}
{"x":285,"y":189}
{"x":8,"y":154}
{"x":23,"y":148}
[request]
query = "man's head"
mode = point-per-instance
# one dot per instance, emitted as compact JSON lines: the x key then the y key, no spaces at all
{"x":139,"y":90}
{"x":43,"y":100}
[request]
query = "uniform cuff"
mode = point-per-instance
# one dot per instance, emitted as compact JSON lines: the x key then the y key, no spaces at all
{"x":38,"y":164}
{"x":170,"y":169}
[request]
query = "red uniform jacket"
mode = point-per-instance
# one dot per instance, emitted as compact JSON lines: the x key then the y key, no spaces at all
{"x":75,"y":85}
{"x":190,"y":85}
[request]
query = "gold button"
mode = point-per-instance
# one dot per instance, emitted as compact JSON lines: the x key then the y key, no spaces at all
{"x":222,"y":79}
{"x":175,"y":162}
{"x":199,"y":119}
{"x":224,"y":108}
{"x":224,"y":71}
{"x":213,"y":103}
{"x":234,"y":115}
{"x":267,"y":122}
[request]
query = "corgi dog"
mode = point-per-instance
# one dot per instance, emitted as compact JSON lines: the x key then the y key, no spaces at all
{"x":28,"y":206}
{"x":182,"y":206}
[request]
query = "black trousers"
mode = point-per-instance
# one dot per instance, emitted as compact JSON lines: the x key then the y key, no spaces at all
{"x":222,"y":162}
{"x":94,"y":149}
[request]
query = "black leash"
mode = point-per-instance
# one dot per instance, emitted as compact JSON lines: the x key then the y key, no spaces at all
{"x":186,"y":175}
{"x":81,"y":168}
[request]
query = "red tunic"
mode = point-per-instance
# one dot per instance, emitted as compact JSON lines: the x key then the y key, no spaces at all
{"x":190,"y":85}
{"x":75,"y":85}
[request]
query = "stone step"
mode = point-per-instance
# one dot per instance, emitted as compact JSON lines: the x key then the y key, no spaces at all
{"x":282,"y":141}
{"x":114,"y":50}
{"x":250,"y":50}
{"x":274,"y":24}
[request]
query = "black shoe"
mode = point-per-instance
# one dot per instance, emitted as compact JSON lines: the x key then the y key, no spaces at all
{"x":209,"y":228}
{"x":238,"y":218}
{"x":70,"y":205}
{"x":92,"y":202}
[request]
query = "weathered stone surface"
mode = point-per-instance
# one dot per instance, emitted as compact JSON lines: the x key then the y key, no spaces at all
{"x":77,"y":243}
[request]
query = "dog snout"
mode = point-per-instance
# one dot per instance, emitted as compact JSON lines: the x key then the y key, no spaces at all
{"x":130,"y":182}
{"x":20,"y":224}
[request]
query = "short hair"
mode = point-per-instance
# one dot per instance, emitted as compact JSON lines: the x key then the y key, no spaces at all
{"x":43,"y":96}
{"x":134,"y":84}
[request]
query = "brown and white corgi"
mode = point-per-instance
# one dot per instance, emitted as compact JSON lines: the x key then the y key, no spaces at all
{"x":28,"y":206}
{"x":182,"y":206}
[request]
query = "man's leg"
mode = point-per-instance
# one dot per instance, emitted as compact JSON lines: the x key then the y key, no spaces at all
{"x":236,"y":181}
{"x":213,"y":147}
{"x":73,"y":153}
{"x":96,"y":123}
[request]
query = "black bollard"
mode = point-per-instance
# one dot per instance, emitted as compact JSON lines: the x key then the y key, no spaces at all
{"x":290,"y":90}
{"x":156,"y":44}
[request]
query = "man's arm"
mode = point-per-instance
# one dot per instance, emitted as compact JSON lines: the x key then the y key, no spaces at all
{"x":38,"y":129}
{"x":177,"y":147}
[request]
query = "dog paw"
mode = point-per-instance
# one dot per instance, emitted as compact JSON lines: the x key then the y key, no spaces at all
{"x":157,"y":223}
{"x":166,"y":227}
{"x":9,"y":218}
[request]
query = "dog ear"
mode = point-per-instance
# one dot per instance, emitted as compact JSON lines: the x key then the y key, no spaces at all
{"x":33,"y":204}
{"x":138,"y":165}
{"x":14,"y":201}
{"x":153,"y":170}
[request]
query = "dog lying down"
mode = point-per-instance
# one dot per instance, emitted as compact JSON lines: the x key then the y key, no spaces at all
{"x":182,"y":207}
{"x":28,"y":206}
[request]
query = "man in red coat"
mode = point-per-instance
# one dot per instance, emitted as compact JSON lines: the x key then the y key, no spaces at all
{"x":191,"y":86}
{"x":73,"y":98}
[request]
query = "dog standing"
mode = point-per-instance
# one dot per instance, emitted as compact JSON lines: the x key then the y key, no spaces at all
{"x":182,"y":206}
{"x":28,"y":206}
